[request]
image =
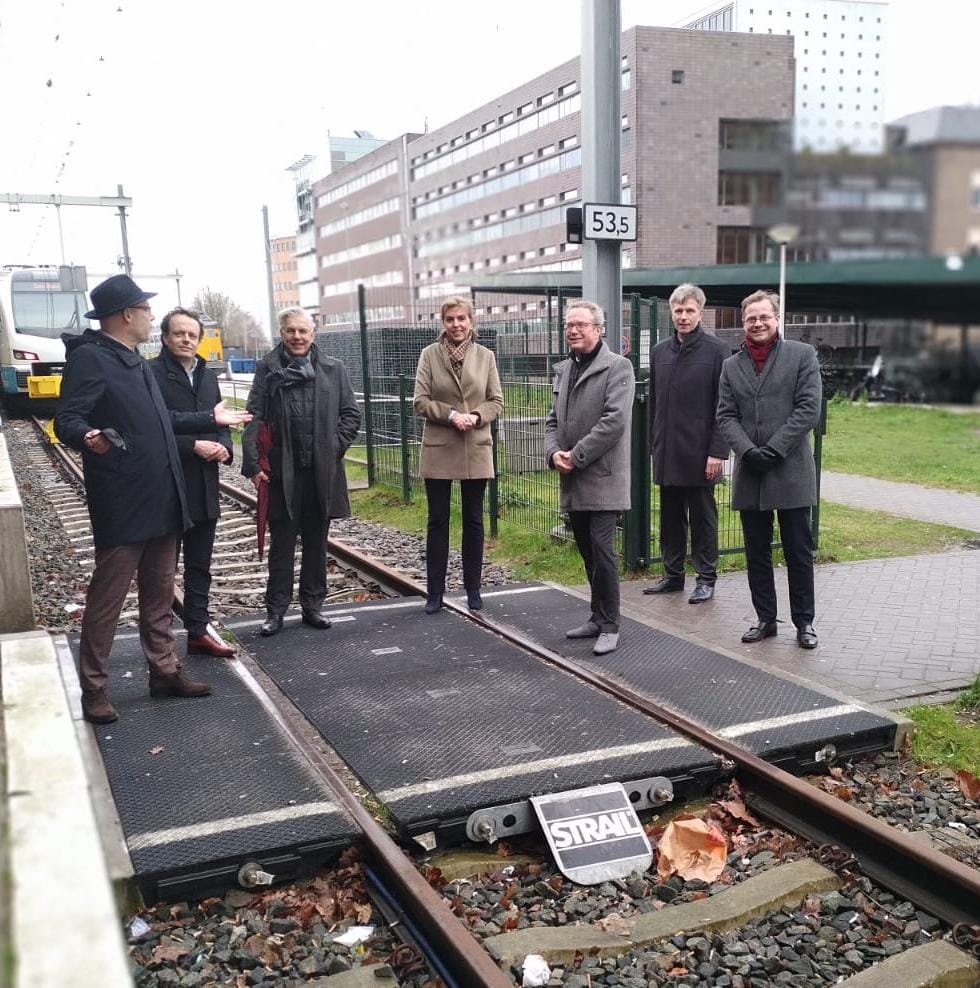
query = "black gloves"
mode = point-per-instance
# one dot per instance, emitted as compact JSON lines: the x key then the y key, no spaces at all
{"x":761,"y":459}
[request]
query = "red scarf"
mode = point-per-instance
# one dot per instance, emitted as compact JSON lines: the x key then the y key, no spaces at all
{"x":760,"y":351}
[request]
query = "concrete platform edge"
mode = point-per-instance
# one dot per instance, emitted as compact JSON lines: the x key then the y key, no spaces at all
{"x":59,"y":878}
{"x":932,"y":965}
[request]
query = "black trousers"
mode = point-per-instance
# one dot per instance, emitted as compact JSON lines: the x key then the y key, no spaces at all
{"x":677,"y":505}
{"x":595,"y":536}
{"x":197,"y":544}
{"x":312,"y":528}
{"x":437,"y":493}
{"x":797,"y":539}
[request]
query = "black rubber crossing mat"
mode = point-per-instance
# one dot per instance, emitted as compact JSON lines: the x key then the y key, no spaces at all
{"x":439,"y":717}
{"x":203,"y":786}
{"x":774,"y":717}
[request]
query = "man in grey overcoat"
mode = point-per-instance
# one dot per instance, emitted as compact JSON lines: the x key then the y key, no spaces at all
{"x":688,"y":450}
{"x":769,"y":400}
{"x":587,"y":436}
{"x":305,"y":418}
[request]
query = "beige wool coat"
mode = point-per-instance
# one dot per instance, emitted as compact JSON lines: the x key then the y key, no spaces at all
{"x":447,"y":453}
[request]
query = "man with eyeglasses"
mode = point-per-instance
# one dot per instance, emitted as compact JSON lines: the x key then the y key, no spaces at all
{"x":112,"y":412}
{"x":768,"y":404}
{"x":688,"y":451}
{"x":587,"y":435}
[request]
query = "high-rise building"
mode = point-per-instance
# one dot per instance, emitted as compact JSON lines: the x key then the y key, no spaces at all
{"x":839,"y":64}
{"x":285,"y":291}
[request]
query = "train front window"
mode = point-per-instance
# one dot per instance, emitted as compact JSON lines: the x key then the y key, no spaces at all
{"x":48,"y":313}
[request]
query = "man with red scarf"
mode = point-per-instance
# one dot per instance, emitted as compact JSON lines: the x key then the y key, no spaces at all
{"x":768,"y":404}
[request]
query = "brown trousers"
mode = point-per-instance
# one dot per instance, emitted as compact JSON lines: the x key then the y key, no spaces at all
{"x":154,"y":565}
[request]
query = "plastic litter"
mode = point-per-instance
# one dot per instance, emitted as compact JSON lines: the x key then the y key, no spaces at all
{"x":536,"y":971}
{"x":355,"y":935}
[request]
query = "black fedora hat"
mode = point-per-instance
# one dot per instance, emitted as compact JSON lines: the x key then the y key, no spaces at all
{"x":115,"y":294}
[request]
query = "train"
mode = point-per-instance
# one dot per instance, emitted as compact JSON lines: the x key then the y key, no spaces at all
{"x":37,"y":306}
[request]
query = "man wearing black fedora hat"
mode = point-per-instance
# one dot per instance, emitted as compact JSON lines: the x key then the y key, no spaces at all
{"x":113,"y":413}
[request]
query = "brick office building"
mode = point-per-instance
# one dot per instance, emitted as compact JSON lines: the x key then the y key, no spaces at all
{"x":706,"y":130}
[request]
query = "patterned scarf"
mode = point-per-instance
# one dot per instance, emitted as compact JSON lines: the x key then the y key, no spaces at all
{"x":456,"y":353}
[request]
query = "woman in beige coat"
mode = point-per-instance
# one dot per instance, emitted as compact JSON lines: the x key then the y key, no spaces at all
{"x":457,"y":392}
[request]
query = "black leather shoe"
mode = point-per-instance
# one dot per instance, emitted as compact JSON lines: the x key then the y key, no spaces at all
{"x":433,"y":604}
{"x":473,"y":600}
{"x":316,"y":620}
{"x":666,"y":585}
{"x":272,"y":625}
{"x":764,"y":629}
{"x":702,"y":592}
{"x":806,"y":637}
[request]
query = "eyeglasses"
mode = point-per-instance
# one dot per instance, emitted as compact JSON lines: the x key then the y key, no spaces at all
{"x":752,"y":320}
{"x":578,"y":325}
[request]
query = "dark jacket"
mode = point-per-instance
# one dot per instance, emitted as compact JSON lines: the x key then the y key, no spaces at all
{"x":777,"y":408}
{"x":179,"y":395}
{"x":683,"y":400}
{"x":137,"y":493}
{"x":336,"y":421}
{"x":591,"y":417}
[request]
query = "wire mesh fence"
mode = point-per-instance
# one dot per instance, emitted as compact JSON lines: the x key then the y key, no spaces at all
{"x":527,"y":338}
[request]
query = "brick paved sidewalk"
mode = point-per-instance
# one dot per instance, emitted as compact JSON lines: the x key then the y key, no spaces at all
{"x":890,"y":629}
{"x":906,"y":500}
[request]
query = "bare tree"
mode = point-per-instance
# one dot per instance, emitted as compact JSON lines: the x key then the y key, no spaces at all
{"x":240,"y":330}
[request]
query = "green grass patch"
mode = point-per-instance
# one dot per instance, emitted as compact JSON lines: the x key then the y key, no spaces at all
{"x":970,"y":699}
{"x":905,"y":443}
{"x":944,"y":740}
{"x":847,"y":535}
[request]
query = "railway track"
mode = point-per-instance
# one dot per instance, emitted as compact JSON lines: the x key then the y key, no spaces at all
{"x":850,"y":842}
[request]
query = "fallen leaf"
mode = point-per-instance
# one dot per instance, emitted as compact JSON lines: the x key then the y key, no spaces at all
{"x":692,"y":849}
{"x":737,"y":809}
{"x":969,"y":785}
{"x":168,"y":951}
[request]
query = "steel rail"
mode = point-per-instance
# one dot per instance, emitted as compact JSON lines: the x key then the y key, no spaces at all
{"x":937,"y":883}
{"x":456,"y":949}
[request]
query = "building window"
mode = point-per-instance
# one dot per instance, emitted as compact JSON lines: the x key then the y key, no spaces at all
{"x":740,"y":245}
{"x":677,"y":76}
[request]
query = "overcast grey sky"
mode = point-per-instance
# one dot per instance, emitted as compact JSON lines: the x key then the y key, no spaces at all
{"x":197,"y":108}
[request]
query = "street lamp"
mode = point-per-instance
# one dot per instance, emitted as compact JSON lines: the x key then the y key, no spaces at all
{"x":782,"y":234}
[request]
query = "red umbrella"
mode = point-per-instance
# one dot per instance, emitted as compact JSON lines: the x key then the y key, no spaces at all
{"x":264,"y":443}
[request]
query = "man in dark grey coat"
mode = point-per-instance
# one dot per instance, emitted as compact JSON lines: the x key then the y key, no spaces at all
{"x":587,"y":435}
{"x":112,"y":412}
{"x":688,"y":451}
{"x":768,"y":404}
{"x":304,"y":407}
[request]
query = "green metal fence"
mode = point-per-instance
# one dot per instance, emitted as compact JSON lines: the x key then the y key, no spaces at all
{"x":382,"y":359}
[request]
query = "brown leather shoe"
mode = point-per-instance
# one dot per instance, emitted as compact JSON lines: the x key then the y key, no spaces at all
{"x":208,"y":644}
{"x":176,"y":684}
{"x":97,"y":709}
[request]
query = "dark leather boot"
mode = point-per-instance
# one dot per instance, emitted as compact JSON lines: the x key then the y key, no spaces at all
{"x":272,"y":625}
{"x":473,"y":600}
{"x":97,"y":709}
{"x":433,"y":603}
{"x":176,"y":684}
{"x":316,"y":620}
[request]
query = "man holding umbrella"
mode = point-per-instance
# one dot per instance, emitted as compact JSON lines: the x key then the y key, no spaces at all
{"x":305,"y":417}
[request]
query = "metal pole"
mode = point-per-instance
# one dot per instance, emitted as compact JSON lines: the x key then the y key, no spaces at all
{"x":403,"y":430}
{"x":61,"y":235}
{"x":782,"y":288}
{"x":602,"y":274}
{"x":127,"y":263}
{"x":177,"y":277}
{"x":366,"y":384}
{"x":268,"y":272}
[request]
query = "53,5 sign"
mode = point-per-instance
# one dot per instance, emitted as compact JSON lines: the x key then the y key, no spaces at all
{"x":609,"y":221}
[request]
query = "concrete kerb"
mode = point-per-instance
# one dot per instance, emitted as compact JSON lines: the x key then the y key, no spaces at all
{"x":932,"y":965}
{"x":63,"y":913}
{"x":16,"y":602}
{"x":732,"y":908}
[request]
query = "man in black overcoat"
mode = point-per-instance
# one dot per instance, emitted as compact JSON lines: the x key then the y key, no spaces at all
{"x":688,"y":451}
{"x":189,"y":385}
{"x":112,"y":412}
